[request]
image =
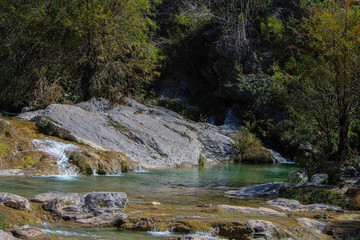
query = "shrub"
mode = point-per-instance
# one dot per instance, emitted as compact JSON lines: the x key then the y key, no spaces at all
{"x":250,"y":149}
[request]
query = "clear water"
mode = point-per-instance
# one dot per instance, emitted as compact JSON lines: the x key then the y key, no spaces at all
{"x":174,"y":186}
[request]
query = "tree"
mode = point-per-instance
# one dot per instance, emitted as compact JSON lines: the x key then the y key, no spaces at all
{"x":74,"y":49}
{"x":324,"y":86}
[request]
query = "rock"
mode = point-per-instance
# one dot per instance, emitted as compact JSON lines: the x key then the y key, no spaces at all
{"x":294,"y":206}
{"x":16,"y":172}
{"x":351,"y":172}
{"x":299,"y":176}
{"x":153,"y":204}
{"x":257,"y":191}
{"x":264,"y":229}
{"x":153,"y":136}
{"x":233,"y":230}
{"x":14,"y":201}
{"x":30,"y":233}
{"x":319,"y":178}
{"x":6,"y":236}
{"x":277,"y":157}
{"x":45,"y":197}
{"x":315,"y":225}
{"x":357,"y":166}
{"x":352,"y":235}
{"x":96,"y":208}
{"x":261,"y":210}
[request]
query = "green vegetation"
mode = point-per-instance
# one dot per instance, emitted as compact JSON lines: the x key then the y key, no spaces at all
{"x":62,"y":51}
{"x":250,"y":149}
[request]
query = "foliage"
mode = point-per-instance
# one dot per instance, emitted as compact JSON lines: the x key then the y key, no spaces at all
{"x":73,"y":50}
{"x":250,"y":149}
{"x":273,"y":29}
{"x":322,"y":85}
{"x":310,"y":196}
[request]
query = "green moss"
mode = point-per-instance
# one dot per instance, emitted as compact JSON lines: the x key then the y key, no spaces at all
{"x":80,"y":161}
{"x":125,"y":166}
{"x":3,"y":150}
{"x":28,"y":161}
{"x":4,"y":224}
{"x":3,"y":127}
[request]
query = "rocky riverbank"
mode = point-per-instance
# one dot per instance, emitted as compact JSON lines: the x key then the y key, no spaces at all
{"x":246,"y":220}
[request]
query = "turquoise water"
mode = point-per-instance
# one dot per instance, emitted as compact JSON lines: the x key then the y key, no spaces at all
{"x":188,"y":186}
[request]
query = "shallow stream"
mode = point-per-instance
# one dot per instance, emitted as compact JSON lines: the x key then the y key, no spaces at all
{"x":190,"y":186}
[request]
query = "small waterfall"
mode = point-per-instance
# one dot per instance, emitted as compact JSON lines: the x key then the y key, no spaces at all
{"x":58,"y":150}
{"x":278,"y":158}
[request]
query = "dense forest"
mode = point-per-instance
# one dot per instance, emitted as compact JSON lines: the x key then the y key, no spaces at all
{"x":289,"y":69}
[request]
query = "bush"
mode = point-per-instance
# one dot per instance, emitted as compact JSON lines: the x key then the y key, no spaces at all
{"x":250,"y":149}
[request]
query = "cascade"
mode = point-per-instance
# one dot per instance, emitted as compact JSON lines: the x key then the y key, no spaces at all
{"x":58,"y":150}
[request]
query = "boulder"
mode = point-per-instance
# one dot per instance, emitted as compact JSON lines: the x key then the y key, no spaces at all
{"x":96,"y":208}
{"x":30,"y":233}
{"x":153,"y":136}
{"x":351,"y":172}
{"x":14,"y":201}
{"x":45,"y":197}
{"x":257,"y":191}
{"x":317,"y":226}
{"x":299,"y":176}
{"x":294,"y":206}
{"x":261,"y":210}
{"x":264,"y":229}
{"x":319,"y":178}
{"x":6,"y":236}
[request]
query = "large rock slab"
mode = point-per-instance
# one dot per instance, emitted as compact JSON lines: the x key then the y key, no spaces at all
{"x":154,"y":136}
{"x":96,"y":208}
{"x":261,"y":210}
{"x":257,"y":191}
{"x":294,"y":206}
{"x":14,"y":201}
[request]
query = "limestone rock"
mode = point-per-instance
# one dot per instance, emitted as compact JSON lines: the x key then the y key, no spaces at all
{"x":30,"y":233}
{"x":264,"y":229}
{"x":45,"y":197}
{"x":6,"y":236}
{"x":154,"y":136}
{"x":319,"y":178}
{"x":294,"y":206}
{"x":14,"y":201}
{"x":261,"y":210}
{"x":257,"y":191}
{"x":97,"y":208}
{"x":299,"y":176}
{"x":315,"y":225}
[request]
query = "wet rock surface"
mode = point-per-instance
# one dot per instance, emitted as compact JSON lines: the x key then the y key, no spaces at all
{"x":96,"y":208}
{"x":154,"y":136}
{"x":30,"y":233}
{"x":14,"y":201}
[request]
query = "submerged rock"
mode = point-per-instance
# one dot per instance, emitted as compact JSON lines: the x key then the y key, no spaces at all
{"x":96,"y":208}
{"x":294,"y":206}
{"x":154,"y":136}
{"x":14,"y":201}
{"x":30,"y":233}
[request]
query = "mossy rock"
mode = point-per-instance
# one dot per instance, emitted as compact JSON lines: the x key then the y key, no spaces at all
{"x":232,"y":230}
{"x":101,"y":162}
{"x":189,"y":226}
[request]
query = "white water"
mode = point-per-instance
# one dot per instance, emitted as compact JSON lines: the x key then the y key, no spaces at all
{"x":58,"y":150}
